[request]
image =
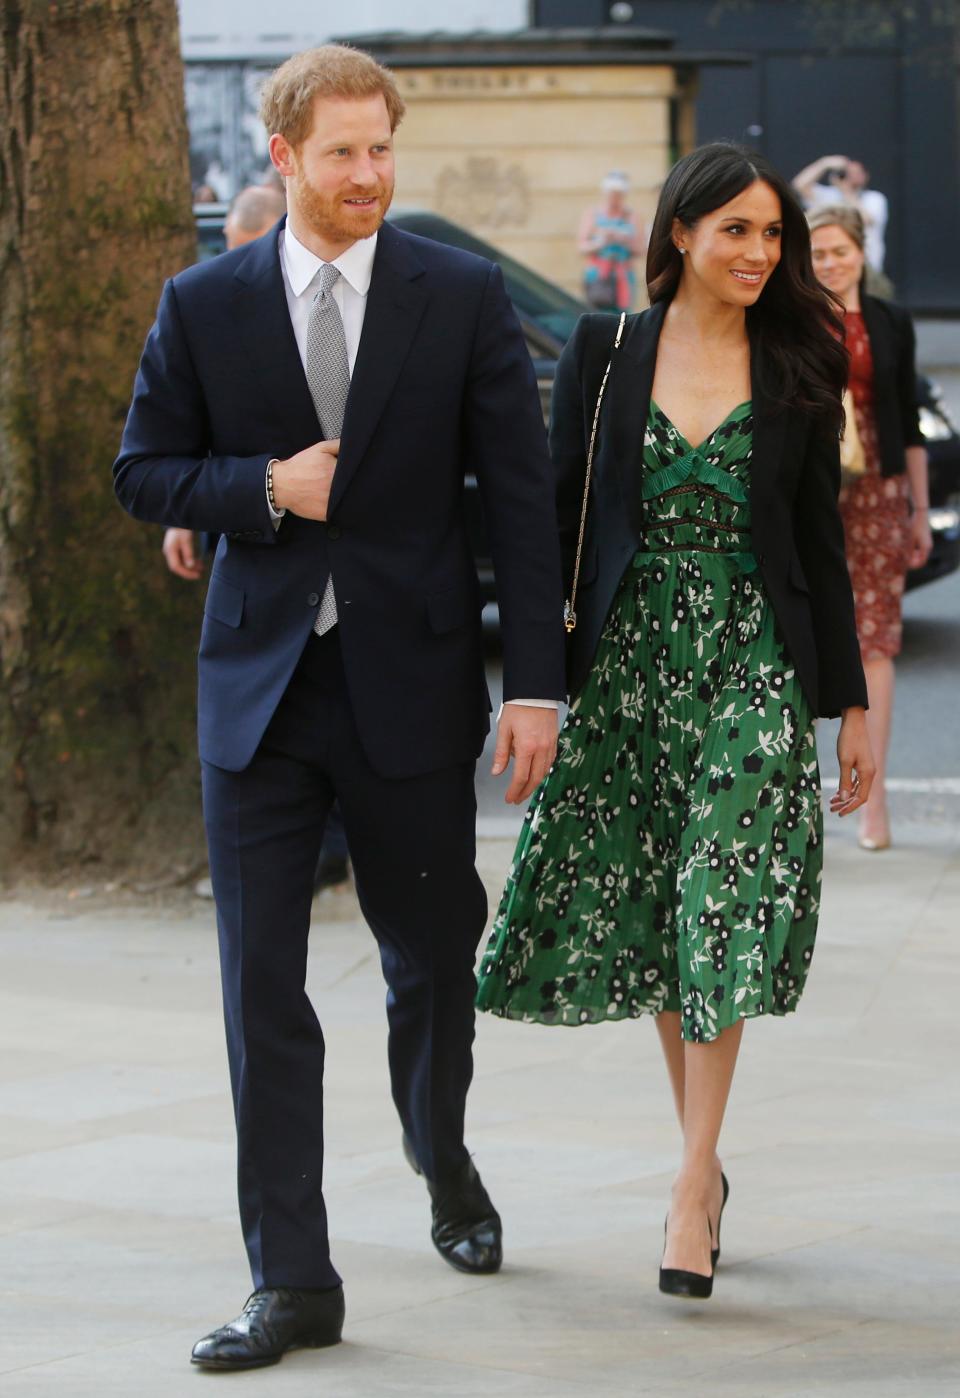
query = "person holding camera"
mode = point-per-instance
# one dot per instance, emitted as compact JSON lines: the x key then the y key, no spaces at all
{"x":836,"y":179}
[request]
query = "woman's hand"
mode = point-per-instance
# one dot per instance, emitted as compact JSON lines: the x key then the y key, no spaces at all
{"x":857,"y":766}
{"x":921,"y":540}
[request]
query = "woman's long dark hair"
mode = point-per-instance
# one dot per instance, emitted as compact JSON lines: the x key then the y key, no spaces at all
{"x":796,"y":325}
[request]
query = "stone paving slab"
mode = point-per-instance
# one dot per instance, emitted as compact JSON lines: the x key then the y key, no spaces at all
{"x":841,"y":1270}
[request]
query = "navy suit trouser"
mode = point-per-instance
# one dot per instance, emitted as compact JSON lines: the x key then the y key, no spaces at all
{"x":412,"y":842}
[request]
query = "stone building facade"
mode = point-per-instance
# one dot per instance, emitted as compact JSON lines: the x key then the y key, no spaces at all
{"x":510,"y":136}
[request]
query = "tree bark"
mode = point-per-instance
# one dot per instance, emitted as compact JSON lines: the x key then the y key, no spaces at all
{"x":97,"y":640}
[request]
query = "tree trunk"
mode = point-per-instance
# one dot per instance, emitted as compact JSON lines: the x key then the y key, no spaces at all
{"x":97,"y":640}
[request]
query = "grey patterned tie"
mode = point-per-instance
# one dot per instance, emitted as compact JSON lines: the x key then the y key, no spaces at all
{"x":328,"y":378}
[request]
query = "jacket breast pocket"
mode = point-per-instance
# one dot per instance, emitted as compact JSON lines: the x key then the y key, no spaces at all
{"x":224,"y":601}
{"x":450,"y":609}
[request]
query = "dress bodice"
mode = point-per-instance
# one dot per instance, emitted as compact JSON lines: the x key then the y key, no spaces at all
{"x":696,"y":499}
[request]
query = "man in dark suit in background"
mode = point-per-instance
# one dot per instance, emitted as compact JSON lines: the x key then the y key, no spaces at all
{"x":316,"y":398}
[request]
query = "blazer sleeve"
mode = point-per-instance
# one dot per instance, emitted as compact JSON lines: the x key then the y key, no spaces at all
{"x":818,"y":535}
{"x":165,"y":472}
{"x":568,"y":444}
{"x":506,"y":444}
{"x":907,"y":380}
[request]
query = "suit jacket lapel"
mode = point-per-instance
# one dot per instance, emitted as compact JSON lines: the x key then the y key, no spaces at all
{"x":268,"y":334}
{"x":395,"y":303}
{"x":628,"y":403}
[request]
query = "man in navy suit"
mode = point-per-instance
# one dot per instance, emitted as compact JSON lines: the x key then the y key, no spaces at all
{"x":341,"y":651}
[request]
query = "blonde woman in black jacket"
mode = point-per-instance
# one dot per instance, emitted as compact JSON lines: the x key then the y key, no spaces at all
{"x":885,"y":512}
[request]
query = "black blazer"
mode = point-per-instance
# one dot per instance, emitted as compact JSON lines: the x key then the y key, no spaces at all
{"x":893,"y":347}
{"x":797,"y":533}
{"x":443,"y":384}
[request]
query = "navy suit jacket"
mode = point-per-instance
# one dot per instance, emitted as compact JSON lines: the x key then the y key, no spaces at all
{"x":443,"y":384}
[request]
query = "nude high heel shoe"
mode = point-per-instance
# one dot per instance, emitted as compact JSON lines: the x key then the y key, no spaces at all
{"x":874,"y":843}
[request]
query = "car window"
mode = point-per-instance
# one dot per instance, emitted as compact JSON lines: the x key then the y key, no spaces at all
{"x":534,"y":297}
{"x":209,"y":220}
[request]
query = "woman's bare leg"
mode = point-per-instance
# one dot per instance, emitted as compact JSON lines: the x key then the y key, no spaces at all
{"x":874,"y":820}
{"x":671,"y":1041}
{"x":707,"y":1076}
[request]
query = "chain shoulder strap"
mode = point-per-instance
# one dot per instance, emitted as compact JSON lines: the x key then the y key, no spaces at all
{"x":570,"y":607}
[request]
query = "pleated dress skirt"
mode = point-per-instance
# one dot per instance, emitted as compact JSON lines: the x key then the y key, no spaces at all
{"x":671,"y":859}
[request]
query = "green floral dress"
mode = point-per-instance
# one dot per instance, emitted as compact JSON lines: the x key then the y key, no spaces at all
{"x":671,"y":859}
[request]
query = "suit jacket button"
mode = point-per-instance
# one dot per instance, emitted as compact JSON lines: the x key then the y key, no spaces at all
{"x":333,"y":532}
{"x":313,"y":599}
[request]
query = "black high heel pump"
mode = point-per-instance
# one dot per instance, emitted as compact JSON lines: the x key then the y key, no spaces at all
{"x":674,"y":1281}
{"x":715,"y":1252}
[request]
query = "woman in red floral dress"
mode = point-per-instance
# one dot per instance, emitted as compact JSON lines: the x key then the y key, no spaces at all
{"x":886,"y":510}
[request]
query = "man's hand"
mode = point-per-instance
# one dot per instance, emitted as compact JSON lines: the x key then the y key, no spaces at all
{"x":303,"y":482}
{"x":181,"y":556}
{"x":530,"y":735}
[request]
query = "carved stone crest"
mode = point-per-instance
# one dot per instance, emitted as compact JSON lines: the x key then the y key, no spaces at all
{"x":483,"y":193}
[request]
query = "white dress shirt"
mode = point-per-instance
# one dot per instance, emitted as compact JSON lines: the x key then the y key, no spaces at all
{"x":299,"y":267}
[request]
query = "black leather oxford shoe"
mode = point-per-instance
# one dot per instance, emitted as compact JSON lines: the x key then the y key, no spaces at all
{"x":466,"y":1231}
{"x":273,"y":1320}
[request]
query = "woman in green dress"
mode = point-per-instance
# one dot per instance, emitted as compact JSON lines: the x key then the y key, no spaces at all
{"x":670,"y":862}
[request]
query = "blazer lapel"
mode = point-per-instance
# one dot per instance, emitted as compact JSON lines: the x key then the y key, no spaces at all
{"x":628,"y":403}
{"x":395,"y":303}
{"x":878,"y":333}
{"x":268,"y":335}
{"x":769,"y":428}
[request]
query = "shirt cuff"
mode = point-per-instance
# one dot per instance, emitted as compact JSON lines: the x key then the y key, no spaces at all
{"x":530,"y":704}
{"x":275,"y":515}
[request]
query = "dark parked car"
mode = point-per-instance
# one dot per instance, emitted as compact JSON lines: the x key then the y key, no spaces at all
{"x":209,"y":220}
{"x":548,"y":314}
{"x":943,"y":448}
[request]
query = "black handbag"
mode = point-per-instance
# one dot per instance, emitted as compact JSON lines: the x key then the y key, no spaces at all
{"x":600,"y":291}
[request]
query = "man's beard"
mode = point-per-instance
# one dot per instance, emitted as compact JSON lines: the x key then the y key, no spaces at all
{"x":336,"y":222}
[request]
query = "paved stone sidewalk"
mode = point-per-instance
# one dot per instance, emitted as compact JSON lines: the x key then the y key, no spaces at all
{"x":841,"y":1271}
